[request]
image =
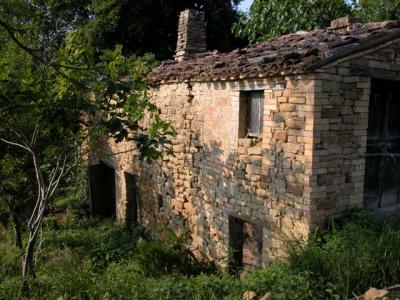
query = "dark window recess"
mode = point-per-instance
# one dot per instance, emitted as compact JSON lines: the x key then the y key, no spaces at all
{"x":160,"y":201}
{"x":251,"y":113}
{"x":382,"y":174}
{"x":102,"y":190}
{"x":131,"y":200}
{"x":235,"y":244}
{"x":245,"y":242}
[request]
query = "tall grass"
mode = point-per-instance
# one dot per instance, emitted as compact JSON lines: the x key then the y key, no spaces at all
{"x":84,"y":258}
{"x":354,"y":254}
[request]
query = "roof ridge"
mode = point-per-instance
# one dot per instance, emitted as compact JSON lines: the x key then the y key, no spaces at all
{"x":292,"y":53}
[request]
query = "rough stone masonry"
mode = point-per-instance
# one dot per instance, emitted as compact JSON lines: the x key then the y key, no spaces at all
{"x":272,"y":140}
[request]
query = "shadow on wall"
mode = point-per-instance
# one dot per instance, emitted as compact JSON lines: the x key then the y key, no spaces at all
{"x":204,"y":189}
{"x":229,"y":221}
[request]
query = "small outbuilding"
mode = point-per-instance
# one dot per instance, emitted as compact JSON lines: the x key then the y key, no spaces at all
{"x":272,"y":139}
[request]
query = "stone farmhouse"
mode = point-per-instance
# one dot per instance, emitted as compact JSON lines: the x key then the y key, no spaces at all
{"x":272,"y":140}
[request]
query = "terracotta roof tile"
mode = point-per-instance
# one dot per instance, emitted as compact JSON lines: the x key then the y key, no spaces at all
{"x":295,"y":53}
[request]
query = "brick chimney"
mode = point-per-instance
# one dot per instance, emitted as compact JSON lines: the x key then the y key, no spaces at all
{"x":191,"y":34}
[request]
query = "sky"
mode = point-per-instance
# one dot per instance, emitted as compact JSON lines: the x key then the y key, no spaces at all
{"x":245,"y":5}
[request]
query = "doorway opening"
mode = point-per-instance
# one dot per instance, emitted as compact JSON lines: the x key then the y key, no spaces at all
{"x":245,"y":242}
{"x":382,"y":172}
{"x":131,"y":218}
{"x":102,"y":190}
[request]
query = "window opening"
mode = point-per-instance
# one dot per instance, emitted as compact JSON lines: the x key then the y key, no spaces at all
{"x":251,"y":114}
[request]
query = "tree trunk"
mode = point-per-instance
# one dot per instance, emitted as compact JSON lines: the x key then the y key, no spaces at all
{"x":17,"y":231}
{"x":27,"y":263}
{"x":34,"y":225}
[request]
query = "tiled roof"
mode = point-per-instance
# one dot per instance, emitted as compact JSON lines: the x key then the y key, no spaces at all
{"x":295,"y":53}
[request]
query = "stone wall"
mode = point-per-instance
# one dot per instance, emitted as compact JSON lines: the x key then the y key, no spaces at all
{"x":340,"y":132}
{"x":214,"y":175}
{"x":308,"y":164}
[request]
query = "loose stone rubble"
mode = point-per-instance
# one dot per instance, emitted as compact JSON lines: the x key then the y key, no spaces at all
{"x":390,"y":293}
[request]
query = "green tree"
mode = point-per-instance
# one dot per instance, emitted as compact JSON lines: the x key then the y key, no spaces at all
{"x":151,"y":26}
{"x":139,"y":26}
{"x":59,"y":95}
{"x":270,"y":18}
{"x":16,"y":189}
{"x":376,"y":10}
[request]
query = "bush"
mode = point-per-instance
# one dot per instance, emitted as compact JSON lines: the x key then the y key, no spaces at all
{"x":96,"y":259}
{"x":10,"y":267}
{"x":10,"y":257}
{"x":352,"y":256}
{"x":10,"y":287}
{"x":171,"y":255}
{"x":121,"y":281}
{"x":282,"y":282}
{"x":117,"y":244}
{"x":68,"y":277}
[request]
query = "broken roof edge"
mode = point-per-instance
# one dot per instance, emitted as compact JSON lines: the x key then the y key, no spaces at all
{"x":291,"y":54}
{"x":372,"y":45}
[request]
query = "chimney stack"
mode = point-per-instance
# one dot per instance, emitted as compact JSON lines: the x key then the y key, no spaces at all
{"x":191,"y":34}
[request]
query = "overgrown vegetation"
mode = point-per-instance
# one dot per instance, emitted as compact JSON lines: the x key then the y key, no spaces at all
{"x":267,"y":19}
{"x":83,"y":258}
{"x":57,"y":57}
{"x":376,"y":10}
{"x":353,"y":255}
{"x":59,"y":96}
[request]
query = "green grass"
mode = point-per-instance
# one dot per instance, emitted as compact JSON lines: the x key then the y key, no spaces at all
{"x":353,"y":255}
{"x":81,"y":258}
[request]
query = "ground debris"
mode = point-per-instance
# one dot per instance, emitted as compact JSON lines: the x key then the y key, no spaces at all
{"x":390,"y":293}
{"x":249,"y":295}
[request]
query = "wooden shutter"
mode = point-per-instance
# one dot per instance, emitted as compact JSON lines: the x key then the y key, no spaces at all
{"x":255,"y":112}
{"x":382,"y":174}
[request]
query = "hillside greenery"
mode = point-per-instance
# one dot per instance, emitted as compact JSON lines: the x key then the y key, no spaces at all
{"x":86,"y":258}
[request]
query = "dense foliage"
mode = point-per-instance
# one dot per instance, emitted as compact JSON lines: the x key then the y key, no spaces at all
{"x":376,"y":10}
{"x":151,"y":26}
{"x":81,"y":258}
{"x":139,"y":26}
{"x":16,"y":190}
{"x":58,"y":96}
{"x":354,"y":254}
{"x":271,"y":18}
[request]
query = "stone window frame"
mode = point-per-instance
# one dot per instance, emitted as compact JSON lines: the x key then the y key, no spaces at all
{"x":238,"y":87}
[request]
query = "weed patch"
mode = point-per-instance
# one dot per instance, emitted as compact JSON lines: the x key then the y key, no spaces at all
{"x":81,"y":258}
